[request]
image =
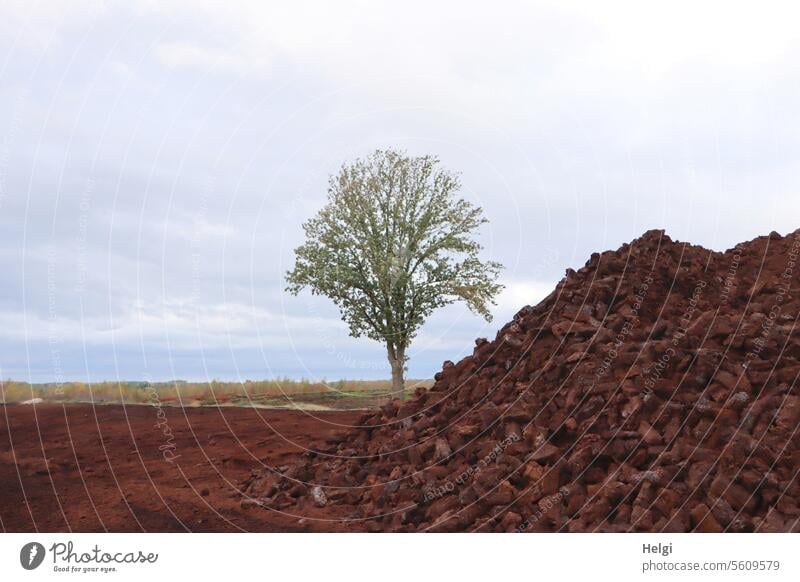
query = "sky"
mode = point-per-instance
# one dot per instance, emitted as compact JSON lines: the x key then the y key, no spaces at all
{"x":157,"y":160}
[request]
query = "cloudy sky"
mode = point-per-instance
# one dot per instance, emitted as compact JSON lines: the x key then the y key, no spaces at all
{"x":157,"y":160}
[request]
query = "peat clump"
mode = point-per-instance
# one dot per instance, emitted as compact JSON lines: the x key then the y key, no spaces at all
{"x":655,"y":389}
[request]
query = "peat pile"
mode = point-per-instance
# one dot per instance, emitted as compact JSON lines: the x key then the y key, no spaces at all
{"x":654,"y":390}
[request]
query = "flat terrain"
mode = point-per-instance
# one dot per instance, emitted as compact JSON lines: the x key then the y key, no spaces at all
{"x":85,"y":468}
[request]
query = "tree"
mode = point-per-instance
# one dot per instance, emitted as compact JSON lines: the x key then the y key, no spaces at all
{"x":392,"y":244}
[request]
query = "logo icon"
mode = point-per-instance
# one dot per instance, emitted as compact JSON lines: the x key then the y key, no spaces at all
{"x":31,"y":555}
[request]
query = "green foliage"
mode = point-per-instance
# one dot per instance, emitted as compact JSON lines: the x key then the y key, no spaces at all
{"x":392,"y":244}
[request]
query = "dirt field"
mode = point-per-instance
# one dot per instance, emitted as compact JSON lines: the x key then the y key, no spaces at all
{"x":84,"y":468}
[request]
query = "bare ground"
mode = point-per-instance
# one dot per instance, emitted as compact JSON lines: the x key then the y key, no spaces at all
{"x":85,"y":468}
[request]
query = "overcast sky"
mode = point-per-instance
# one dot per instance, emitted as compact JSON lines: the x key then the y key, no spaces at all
{"x":157,"y":161}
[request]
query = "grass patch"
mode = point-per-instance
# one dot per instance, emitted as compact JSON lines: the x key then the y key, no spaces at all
{"x":280,"y":392}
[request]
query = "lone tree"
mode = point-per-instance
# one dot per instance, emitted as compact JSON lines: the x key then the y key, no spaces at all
{"x":392,"y":244}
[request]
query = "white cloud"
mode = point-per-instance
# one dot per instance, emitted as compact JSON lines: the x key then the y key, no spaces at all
{"x":194,"y":56}
{"x":465,"y":54}
{"x":39,"y":24}
{"x":517,"y":294}
{"x":179,"y":324}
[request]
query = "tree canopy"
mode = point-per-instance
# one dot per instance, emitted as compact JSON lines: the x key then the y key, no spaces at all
{"x":392,"y":244}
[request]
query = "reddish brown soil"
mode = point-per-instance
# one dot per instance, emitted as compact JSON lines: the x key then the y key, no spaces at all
{"x":105,"y":472}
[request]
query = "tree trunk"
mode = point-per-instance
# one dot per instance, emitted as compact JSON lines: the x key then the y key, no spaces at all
{"x":397,"y":359}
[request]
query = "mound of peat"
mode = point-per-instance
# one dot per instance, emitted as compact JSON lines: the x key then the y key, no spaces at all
{"x":654,"y":390}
